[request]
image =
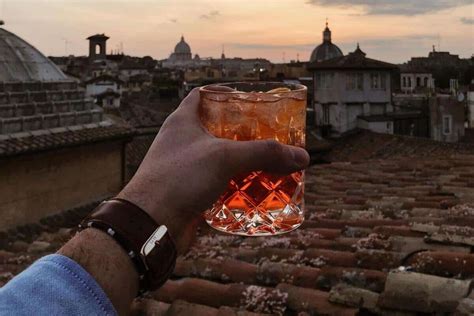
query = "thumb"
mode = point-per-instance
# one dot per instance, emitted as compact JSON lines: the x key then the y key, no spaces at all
{"x":266,"y":155}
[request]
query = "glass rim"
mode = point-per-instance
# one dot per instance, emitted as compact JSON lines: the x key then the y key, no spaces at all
{"x":300,"y":87}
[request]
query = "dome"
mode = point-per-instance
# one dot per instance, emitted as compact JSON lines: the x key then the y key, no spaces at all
{"x":182,"y":47}
{"x":20,"y":61}
{"x":327,"y":49}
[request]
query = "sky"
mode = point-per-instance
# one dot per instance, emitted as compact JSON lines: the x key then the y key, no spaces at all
{"x":279,"y":30}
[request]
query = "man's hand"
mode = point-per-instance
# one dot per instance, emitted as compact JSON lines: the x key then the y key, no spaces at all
{"x":182,"y":174}
{"x":186,"y":169}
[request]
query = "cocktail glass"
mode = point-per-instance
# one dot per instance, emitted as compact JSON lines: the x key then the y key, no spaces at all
{"x":257,"y":203}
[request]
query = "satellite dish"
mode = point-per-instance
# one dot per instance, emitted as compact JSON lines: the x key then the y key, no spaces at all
{"x":460,"y":97}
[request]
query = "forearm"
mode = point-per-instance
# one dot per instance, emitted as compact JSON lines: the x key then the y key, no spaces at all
{"x":107,"y":263}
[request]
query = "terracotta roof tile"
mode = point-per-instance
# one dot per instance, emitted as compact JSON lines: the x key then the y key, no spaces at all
{"x":313,"y":301}
{"x":427,"y":294}
{"x":364,"y":220}
{"x":354,"y":297}
{"x":447,"y":264}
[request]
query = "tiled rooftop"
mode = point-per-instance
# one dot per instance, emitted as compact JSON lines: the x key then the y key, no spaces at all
{"x":387,"y":232}
{"x":27,"y":142}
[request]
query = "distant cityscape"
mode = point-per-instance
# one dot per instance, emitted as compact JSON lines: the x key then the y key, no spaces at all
{"x":427,"y":97}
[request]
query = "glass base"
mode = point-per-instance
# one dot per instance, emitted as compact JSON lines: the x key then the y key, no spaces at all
{"x":255,"y":222}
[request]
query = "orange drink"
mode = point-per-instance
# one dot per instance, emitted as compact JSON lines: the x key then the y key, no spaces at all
{"x":257,"y":203}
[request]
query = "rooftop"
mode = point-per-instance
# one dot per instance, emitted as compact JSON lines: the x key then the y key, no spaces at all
{"x":98,"y":36}
{"x":60,"y":137}
{"x":386,"y":214}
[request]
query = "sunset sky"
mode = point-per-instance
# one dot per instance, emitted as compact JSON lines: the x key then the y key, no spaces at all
{"x":390,"y":30}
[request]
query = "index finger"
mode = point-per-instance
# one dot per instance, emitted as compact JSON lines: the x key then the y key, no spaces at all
{"x":190,"y":103}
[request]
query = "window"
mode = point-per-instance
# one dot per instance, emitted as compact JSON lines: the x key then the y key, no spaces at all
{"x":378,"y":81}
{"x":383,"y":82}
{"x":360,"y":81}
{"x":111,"y":101}
{"x":326,"y":119}
{"x":355,"y":81}
{"x":418,"y":82}
{"x":404,"y":82}
{"x":409,"y":82}
{"x":374,"y":81}
{"x":426,"y":82}
{"x":447,"y":124}
{"x":324,"y":80}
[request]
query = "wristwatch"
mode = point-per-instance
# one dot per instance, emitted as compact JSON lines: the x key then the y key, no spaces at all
{"x":149,"y":245}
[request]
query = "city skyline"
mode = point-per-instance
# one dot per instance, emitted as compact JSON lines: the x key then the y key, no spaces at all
{"x":278,"y":30}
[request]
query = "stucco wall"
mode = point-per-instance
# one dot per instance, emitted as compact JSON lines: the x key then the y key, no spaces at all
{"x":381,"y":127}
{"x":441,"y":107}
{"x":96,"y":88}
{"x":34,"y":186}
{"x":470,"y":104}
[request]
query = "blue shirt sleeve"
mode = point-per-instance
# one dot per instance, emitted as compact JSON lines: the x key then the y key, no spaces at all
{"x":54,"y":285}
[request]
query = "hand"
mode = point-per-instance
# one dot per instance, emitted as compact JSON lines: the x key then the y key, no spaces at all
{"x":186,"y":169}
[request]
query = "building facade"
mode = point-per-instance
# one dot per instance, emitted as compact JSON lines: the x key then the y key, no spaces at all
{"x":106,"y":90}
{"x":470,"y":104}
{"x":348,"y":87}
{"x":416,"y":81}
{"x":447,"y":117}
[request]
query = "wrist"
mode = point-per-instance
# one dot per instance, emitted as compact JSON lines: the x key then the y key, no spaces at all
{"x":105,"y":260}
{"x":148,"y":244}
{"x":180,"y":227}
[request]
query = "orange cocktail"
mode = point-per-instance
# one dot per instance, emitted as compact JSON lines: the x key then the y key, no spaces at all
{"x":258,"y":203}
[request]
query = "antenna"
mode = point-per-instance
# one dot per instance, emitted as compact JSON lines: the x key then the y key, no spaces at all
{"x":439,"y":42}
{"x":121,"y":48}
{"x":283,"y":57}
{"x":298,"y":57}
{"x":66,"y":43}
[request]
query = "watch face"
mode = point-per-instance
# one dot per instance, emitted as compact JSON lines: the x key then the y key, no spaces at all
{"x":149,"y":245}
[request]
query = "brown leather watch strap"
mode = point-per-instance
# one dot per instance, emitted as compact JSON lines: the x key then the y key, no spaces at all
{"x":148,"y":245}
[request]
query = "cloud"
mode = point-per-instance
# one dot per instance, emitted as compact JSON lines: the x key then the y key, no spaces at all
{"x":394,"y":7}
{"x":211,"y":15}
{"x":348,"y":45}
{"x":271,"y":46}
{"x":468,"y":21}
{"x":174,"y":20}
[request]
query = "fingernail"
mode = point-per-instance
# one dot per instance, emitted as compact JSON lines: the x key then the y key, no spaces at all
{"x":301,"y":158}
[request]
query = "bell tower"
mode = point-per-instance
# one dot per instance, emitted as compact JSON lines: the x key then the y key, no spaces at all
{"x":97,"y":46}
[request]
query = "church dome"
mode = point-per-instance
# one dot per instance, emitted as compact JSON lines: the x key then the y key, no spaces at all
{"x":327,"y":49}
{"x":182,"y":47}
{"x":20,"y":61}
